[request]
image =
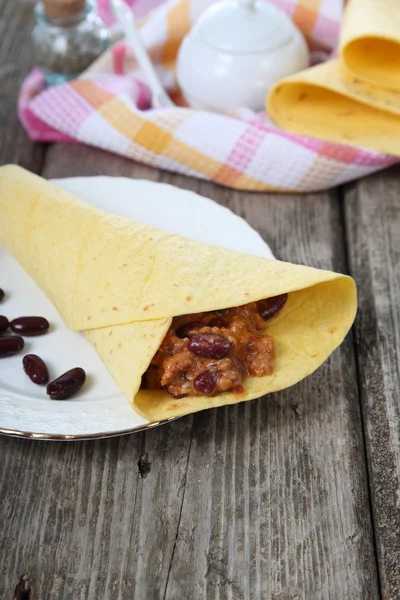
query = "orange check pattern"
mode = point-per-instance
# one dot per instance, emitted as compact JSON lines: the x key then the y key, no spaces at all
{"x":110,"y":108}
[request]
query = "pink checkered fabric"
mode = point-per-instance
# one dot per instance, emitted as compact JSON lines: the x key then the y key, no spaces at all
{"x":110,"y":107}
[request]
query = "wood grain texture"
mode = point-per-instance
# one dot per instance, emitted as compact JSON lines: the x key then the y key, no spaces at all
{"x":263,"y":500}
{"x":372,"y":211}
{"x":16,"y":58}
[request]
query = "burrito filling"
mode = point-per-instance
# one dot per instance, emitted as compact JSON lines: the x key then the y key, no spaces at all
{"x":213,"y":352}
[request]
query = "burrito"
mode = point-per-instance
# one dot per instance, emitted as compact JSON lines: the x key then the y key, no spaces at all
{"x":181,"y":326}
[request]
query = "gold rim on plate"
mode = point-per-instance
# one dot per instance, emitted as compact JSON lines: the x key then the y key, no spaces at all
{"x":56,"y":437}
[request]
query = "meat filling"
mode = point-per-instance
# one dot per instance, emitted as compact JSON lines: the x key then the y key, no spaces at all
{"x":209,"y":353}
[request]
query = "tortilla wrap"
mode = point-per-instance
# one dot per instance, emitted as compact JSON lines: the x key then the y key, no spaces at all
{"x":121,"y":282}
{"x":370,"y":41}
{"x":355,"y":98}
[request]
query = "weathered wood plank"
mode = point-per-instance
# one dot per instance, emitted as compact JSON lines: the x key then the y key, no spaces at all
{"x":71,"y":514}
{"x":16,"y":22}
{"x":372,"y":211}
{"x":285,"y":513}
{"x":266,"y":500}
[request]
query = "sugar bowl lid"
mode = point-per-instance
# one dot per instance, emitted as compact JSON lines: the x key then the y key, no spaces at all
{"x":242,"y":26}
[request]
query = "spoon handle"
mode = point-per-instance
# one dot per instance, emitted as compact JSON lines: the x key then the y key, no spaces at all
{"x":124,"y":15}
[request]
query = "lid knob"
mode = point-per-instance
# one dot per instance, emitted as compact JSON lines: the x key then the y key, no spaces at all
{"x":248,"y":3}
{"x":241,"y":26}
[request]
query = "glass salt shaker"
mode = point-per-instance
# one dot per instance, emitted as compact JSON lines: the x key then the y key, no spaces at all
{"x":68,"y":37}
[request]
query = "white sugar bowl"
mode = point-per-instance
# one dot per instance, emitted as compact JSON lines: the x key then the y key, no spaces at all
{"x":235,"y":53}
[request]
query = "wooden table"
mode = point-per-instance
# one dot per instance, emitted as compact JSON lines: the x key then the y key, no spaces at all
{"x":294,"y":496}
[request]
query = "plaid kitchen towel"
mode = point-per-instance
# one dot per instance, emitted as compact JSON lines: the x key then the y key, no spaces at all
{"x":110,"y":107}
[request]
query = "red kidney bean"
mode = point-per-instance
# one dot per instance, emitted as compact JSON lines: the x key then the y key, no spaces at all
{"x":1,"y":294}
{"x":205,"y":383}
{"x":270,"y":306}
{"x":187,"y":329}
{"x":30,"y":325}
{"x":67,"y":384}
{"x":3,"y":323}
{"x":10,"y":344}
{"x":35,"y":368}
{"x":209,"y":345}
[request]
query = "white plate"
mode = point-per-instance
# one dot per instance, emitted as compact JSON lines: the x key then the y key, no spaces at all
{"x":99,"y":410}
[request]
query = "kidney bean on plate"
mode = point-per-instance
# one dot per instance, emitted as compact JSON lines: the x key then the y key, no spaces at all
{"x":35,"y":368}
{"x":3,"y":323}
{"x":1,"y":294}
{"x":10,"y":344}
{"x":30,"y":325}
{"x":209,"y":345}
{"x":67,"y":384}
